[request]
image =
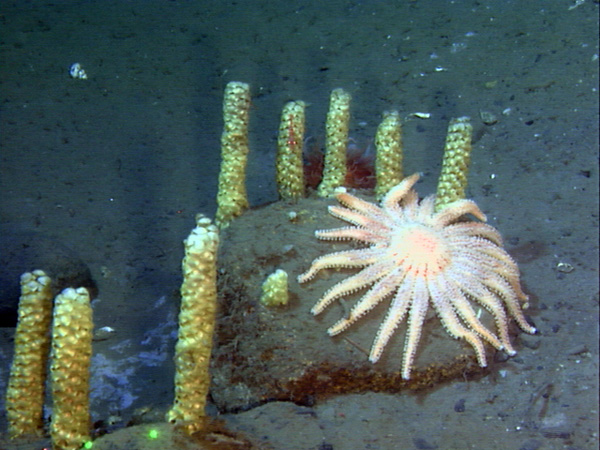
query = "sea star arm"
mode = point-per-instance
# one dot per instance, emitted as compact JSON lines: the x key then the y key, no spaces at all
{"x":376,"y":294}
{"x":356,"y":233}
{"x":505,"y":290}
{"x":490,"y":301}
{"x":416,"y":317}
{"x":451,"y":322}
{"x":462,"y":306}
{"x":475,"y":229}
{"x":369,"y":209}
{"x":359,"y":219}
{"x":398,"y":308}
{"x":510,"y":271}
{"x":456,"y":210}
{"x":397,"y":193}
{"x":483,"y":252}
{"x":363,"y":278}
{"x":348,"y":258}
{"x":497,"y":260}
{"x":481,"y":260}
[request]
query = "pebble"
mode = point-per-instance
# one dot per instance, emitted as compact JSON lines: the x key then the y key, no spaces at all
{"x":459,"y":406}
{"x":531,"y":444}
{"x":488,"y":117}
{"x":577,"y":349}
{"x":556,"y":426}
{"x":501,"y":356}
{"x":531,"y":342}
{"x":422,"y":444}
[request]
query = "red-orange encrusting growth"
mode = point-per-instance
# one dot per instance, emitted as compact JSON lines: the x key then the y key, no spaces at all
{"x":360,"y":166}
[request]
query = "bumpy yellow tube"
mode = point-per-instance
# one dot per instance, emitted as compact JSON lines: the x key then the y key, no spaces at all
{"x":196,"y":326}
{"x":231,"y":196}
{"x":288,"y":164}
{"x":70,"y":369}
{"x":455,"y":164}
{"x":336,"y":143}
{"x":25,"y":391}
{"x":388,"y":159}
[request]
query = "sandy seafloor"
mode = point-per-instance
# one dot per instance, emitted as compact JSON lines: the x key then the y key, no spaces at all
{"x":116,"y":166}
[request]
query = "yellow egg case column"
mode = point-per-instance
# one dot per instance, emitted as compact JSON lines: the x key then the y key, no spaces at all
{"x":288,"y":164}
{"x":231,"y":196}
{"x":389,"y":156}
{"x":72,"y":329}
{"x":455,"y":164}
{"x":336,"y":143}
{"x":27,"y":379}
{"x":196,"y":326}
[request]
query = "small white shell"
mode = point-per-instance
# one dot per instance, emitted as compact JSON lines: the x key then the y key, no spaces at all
{"x":421,"y":115}
{"x":104,"y":333}
{"x":488,"y":117}
{"x":76,"y":71}
{"x":564,"y":267}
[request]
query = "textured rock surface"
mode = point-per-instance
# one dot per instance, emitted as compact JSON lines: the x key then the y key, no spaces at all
{"x":285,"y":353}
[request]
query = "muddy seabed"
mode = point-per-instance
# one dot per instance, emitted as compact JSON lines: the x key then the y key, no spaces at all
{"x":115,"y":167}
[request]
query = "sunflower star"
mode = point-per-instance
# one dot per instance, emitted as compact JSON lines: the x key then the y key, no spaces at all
{"x":420,"y":255}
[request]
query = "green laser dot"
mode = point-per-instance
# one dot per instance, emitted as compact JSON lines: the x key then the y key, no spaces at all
{"x":153,"y":434}
{"x":88,"y":444}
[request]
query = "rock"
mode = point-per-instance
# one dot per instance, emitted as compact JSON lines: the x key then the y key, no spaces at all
{"x":160,"y":436}
{"x":284,"y":353}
